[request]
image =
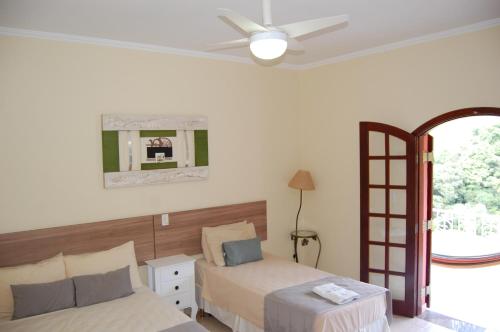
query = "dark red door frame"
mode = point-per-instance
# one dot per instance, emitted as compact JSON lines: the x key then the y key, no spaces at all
{"x":453,"y":115}
{"x":424,"y":198}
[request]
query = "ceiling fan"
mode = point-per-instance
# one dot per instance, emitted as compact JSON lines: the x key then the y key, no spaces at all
{"x":268,"y":41}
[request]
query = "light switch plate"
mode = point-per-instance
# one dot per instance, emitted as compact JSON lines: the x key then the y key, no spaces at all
{"x":164,"y":219}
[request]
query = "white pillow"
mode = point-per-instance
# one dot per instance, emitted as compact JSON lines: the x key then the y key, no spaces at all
{"x":204,"y":242}
{"x":215,"y":238}
{"x":105,"y":261}
{"x":48,"y":270}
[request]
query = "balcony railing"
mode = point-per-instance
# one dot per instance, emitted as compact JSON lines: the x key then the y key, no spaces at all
{"x":465,"y":234}
{"x":472,"y":221}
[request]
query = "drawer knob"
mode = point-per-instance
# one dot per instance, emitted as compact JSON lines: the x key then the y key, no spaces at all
{"x":176,"y":287}
{"x":177,"y":302}
{"x":176,"y":272}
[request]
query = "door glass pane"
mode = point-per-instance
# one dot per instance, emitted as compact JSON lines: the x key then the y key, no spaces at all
{"x":377,"y":172}
{"x":397,"y":147}
{"x":397,"y":172}
{"x":377,"y":229}
{"x":398,"y":201}
{"x":376,"y":279}
{"x":397,"y":287}
{"x":377,"y":257}
{"x":397,"y":258}
{"x":376,"y":144}
{"x":377,"y":200}
{"x":397,"y":231}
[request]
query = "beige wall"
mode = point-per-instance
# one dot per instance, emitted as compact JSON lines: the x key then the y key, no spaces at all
{"x":263,"y":124}
{"x":52,"y":95}
{"x":405,"y":88}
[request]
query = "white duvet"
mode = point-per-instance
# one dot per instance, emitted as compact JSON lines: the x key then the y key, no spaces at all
{"x":142,"y":311}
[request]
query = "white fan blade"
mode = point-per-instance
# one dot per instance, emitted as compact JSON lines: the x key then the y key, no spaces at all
{"x":247,"y":25}
{"x":230,"y":44}
{"x":306,"y":27}
{"x":294,"y":45}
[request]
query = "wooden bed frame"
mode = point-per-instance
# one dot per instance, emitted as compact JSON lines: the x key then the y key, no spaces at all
{"x":151,"y":239}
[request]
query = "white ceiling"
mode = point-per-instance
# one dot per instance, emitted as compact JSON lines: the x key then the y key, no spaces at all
{"x":193,"y":24}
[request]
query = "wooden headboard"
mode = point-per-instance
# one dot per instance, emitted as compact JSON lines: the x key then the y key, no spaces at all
{"x":152,"y":240}
{"x":183,"y":235}
{"x":32,"y":246}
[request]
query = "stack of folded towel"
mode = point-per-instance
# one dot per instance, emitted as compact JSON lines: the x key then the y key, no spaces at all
{"x":336,"y":294}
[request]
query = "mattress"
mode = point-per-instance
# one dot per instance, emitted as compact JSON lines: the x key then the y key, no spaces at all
{"x":142,"y":311}
{"x":241,"y":290}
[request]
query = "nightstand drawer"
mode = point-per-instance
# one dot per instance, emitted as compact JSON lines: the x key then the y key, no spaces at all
{"x":176,"y":271}
{"x":181,"y":300}
{"x":175,"y":286}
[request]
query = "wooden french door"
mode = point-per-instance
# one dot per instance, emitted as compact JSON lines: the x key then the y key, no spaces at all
{"x":425,"y":163}
{"x":388,"y":212}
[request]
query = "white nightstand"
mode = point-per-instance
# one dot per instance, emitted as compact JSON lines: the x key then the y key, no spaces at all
{"x":173,"y":279}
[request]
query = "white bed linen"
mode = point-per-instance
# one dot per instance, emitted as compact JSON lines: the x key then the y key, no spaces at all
{"x":239,"y":324}
{"x":142,"y":311}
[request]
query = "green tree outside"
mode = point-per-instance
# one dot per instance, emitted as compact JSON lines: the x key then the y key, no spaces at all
{"x":470,"y":175}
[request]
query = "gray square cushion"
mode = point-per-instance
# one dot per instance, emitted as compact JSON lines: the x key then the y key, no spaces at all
{"x":243,"y":251}
{"x":97,"y":288}
{"x":36,"y":299}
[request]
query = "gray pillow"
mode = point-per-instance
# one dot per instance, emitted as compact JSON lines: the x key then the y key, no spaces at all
{"x":36,"y":299}
{"x":243,"y":251}
{"x":97,"y":288}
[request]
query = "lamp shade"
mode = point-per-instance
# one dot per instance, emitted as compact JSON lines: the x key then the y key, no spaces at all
{"x":302,"y":180}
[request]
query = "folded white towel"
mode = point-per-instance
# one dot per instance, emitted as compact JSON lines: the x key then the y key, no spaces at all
{"x":335,"y":293}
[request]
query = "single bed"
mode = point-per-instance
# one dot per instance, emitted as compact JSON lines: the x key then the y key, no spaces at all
{"x":236,"y":296}
{"x":142,"y":311}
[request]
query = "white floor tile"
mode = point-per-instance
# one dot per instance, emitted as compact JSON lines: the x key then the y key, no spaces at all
{"x":399,"y":324}
{"x":404,"y":324}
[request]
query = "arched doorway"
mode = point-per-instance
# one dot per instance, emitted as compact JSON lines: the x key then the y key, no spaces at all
{"x":395,"y":206}
{"x":429,"y":259}
{"x":453,"y":115}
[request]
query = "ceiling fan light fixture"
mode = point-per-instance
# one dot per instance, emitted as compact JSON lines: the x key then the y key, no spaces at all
{"x":268,"y":45}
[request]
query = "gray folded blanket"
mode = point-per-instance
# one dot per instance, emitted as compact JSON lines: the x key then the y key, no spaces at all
{"x":295,"y":308}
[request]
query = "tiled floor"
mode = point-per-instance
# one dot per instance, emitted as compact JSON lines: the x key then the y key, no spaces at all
{"x":468,"y":293}
{"x":450,"y":322}
{"x":399,"y":324}
{"x":213,"y":324}
{"x":403,"y":324}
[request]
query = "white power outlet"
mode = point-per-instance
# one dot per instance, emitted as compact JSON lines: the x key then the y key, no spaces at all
{"x":164,"y":219}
